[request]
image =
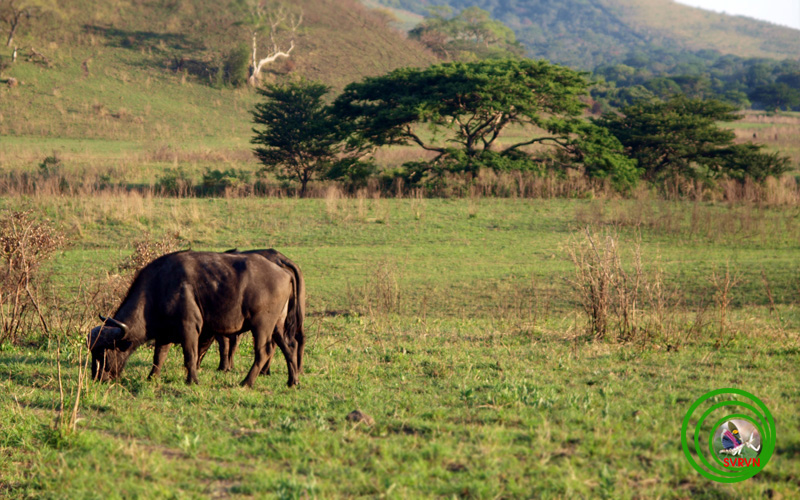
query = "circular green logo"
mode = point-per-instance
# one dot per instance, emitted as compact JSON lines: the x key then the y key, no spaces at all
{"x":739,"y":443}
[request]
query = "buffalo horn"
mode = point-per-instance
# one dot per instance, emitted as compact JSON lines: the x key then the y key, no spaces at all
{"x":118,"y":324}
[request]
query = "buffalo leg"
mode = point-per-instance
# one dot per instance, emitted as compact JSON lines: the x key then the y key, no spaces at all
{"x":190,"y":357}
{"x":234,"y":345}
{"x":301,"y":347}
{"x":203,"y":349}
{"x":159,"y":356}
{"x":270,"y":354}
{"x":260,"y":340}
{"x":289,"y":349}
{"x":204,"y":345}
{"x":227,"y":348}
{"x":224,"y":343}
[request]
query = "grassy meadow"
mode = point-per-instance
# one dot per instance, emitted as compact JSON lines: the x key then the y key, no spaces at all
{"x":453,"y":323}
{"x":456,"y":323}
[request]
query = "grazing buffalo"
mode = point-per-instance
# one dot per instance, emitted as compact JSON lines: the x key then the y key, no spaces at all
{"x":229,"y":343}
{"x":189,"y":298}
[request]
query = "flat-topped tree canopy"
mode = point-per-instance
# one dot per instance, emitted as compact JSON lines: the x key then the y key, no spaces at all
{"x":470,"y":105}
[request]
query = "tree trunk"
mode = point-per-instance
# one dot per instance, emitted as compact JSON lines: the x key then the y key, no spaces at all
{"x":12,"y":33}
{"x":252,"y":77}
{"x":255,"y":68}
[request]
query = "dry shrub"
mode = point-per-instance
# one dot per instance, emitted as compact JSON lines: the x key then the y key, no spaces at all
{"x":25,"y":243}
{"x":383,"y":289}
{"x":606,"y":291}
{"x":333,"y":197}
{"x":146,"y":250}
{"x":106,"y":294}
{"x":781,"y":192}
{"x":418,"y":204}
{"x":629,"y":303}
{"x":723,"y":285}
{"x":381,"y":293}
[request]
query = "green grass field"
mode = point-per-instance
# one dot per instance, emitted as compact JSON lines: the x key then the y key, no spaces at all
{"x":451,"y":322}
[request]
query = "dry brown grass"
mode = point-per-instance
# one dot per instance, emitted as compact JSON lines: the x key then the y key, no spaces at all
{"x":381,"y":294}
{"x":627,"y":298}
{"x":167,"y":171}
{"x":778,"y":132}
{"x":709,"y":221}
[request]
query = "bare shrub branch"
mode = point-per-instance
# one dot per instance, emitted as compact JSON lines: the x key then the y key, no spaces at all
{"x":25,"y":243}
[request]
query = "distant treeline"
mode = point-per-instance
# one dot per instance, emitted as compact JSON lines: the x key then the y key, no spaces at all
{"x":753,"y":82}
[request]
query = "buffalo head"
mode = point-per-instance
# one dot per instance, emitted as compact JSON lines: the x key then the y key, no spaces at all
{"x":110,"y":349}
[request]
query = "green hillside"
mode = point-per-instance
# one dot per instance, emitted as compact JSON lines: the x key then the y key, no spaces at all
{"x":588,"y":33}
{"x":146,"y":70}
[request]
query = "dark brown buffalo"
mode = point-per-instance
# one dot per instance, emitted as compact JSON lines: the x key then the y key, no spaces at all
{"x":229,"y":343}
{"x":188,"y":298}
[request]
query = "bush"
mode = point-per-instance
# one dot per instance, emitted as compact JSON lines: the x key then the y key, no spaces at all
{"x":107,"y":294}
{"x":25,"y":243}
{"x":174,"y":181}
{"x":234,"y":69}
{"x":353,"y":173}
{"x":218,"y":181}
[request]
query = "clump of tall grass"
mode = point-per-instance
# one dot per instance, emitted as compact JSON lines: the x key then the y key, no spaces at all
{"x":381,"y":294}
{"x":723,"y":284}
{"x":333,"y":196}
{"x":627,"y":299}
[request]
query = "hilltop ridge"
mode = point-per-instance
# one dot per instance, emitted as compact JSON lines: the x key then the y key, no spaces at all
{"x":587,"y":33}
{"x":144,"y":70}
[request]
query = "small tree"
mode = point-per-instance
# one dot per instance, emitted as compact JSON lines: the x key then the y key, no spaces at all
{"x":301,"y":138}
{"x":680,"y":138}
{"x":469,"y":35}
{"x":13,"y":13}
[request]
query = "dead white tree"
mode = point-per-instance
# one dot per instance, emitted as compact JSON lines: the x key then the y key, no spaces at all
{"x":274,"y":22}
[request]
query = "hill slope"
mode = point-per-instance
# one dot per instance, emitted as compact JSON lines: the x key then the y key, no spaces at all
{"x":113,"y":68}
{"x":587,"y":33}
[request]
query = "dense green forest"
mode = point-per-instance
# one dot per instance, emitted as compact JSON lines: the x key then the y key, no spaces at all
{"x":588,"y":33}
{"x":639,"y":51}
{"x":753,"y":82}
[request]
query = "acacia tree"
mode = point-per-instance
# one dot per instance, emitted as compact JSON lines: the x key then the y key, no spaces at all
{"x":301,"y":138}
{"x":470,"y":105}
{"x":680,"y":138}
{"x":470,"y":34}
